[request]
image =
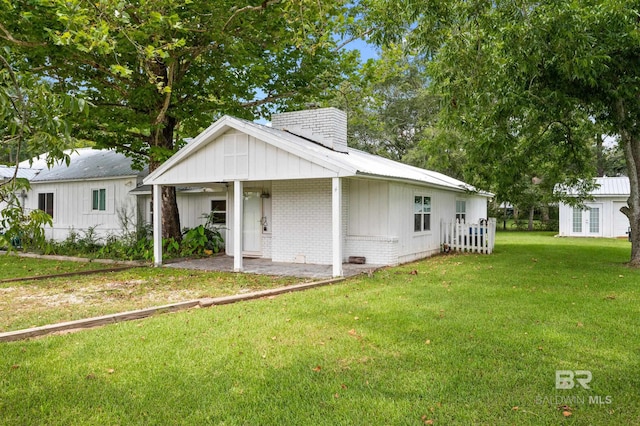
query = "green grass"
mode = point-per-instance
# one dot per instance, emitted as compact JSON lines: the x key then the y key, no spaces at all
{"x":464,"y":340}
{"x":22,"y":267}
{"x":34,"y":303}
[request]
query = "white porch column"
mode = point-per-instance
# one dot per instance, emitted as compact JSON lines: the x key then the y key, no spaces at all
{"x":237,"y":225}
{"x":157,"y":225}
{"x":336,"y":225}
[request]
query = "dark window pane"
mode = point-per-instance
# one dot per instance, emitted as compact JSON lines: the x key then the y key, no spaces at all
{"x":427,"y":222}
{"x":417,"y":222}
{"x":102,"y":205}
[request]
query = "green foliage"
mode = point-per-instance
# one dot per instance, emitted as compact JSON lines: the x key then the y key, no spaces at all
{"x":202,"y":238}
{"x":17,"y":227}
{"x":23,"y":230}
{"x":158,"y":72}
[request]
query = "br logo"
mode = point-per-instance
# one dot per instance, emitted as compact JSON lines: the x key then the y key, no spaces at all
{"x":566,"y":379}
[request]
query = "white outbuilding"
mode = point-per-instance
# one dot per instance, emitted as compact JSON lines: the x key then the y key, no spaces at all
{"x":600,"y":217}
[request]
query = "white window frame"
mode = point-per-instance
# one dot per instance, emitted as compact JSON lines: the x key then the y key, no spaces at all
{"x":93,"y":205}
{"x":461,"y":214}
{"x":53,"y":203}
{"x":422,"y":210}
{"x":225,"y":211}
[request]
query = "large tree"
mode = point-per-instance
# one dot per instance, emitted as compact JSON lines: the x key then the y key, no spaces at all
{"x":157,"y":71}
{"x":523,"y":80}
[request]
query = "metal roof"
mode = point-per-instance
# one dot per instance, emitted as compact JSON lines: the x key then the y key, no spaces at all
{"x":87,"y":163}
{"x":370,"y":164}
{"x":6,"y":172}
{"x":354,"y":162}
{"x":605,"y":187}
{"x":612,"y":186}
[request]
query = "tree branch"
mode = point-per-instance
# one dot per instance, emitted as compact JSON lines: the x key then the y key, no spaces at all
{"x":352,"y":39}
{"x":267,"y":99}
{"x":7,"y":36}
{"x":263,"y":6}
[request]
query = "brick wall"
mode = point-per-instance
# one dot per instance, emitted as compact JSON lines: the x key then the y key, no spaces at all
{"x":327,"y":126}
{"x":301,"y":221}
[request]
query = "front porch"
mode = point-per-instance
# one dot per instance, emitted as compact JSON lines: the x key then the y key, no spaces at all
{"x":267,"y":267}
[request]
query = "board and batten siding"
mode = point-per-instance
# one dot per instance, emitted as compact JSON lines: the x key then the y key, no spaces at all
{"x":235,"y":155}
{"x":613,"y":223}
{"x":72,"y":205}
{"x":367,"y":203}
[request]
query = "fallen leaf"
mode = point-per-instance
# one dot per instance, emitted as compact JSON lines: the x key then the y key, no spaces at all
{"x":336,"y":395}
{"x":90,"y":376}
{"x":317,"y":368}
{"x":566,"y":413}
{"x":414,"y":272}
{"x":356,"y":318}
{"x":111,"y":371}
{"x":343,"y":386}
{"x":516,"y":408}
{"x":15,"y":366}
{"x":427,"y":342}
{"x":273,"y":338}
{"x":428,"y":422}
{"x":353,"y":332}
{"x":580,"y":324}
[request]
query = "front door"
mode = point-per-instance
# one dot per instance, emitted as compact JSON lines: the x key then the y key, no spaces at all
{"x":588,"y":222}
{"x":251,"y":216}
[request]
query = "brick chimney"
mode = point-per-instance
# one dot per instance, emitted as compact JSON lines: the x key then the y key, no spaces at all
{"x":326,"y":126}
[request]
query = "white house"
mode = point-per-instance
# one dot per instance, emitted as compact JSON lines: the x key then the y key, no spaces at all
{"x":306,"y":197}
{"x":101,"y":190}
{"x":602,"y":216}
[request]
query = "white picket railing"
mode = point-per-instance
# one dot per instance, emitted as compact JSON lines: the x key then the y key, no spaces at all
{"x":472,"y":237}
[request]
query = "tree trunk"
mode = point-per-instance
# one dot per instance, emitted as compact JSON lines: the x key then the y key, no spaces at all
{"x":599,"y":155}
{"x":532,"y":211}
{"x":631,"y":146}
{"x":544,"y":213}
{"x":632,"y":210}
{"x":170,"y":213}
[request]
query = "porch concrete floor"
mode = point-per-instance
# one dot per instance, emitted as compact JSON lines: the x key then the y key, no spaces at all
{"x":267,"y":267}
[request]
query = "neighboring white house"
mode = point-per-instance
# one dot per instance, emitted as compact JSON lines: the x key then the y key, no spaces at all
{"x":308,"y":198}
{"x":101,"y":190}
{"x":602,"y":216}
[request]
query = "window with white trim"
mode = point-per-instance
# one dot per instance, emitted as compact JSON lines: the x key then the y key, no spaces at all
{"x":421,"y":213}
{"x":461,"y":210}
{"x":45,"y":202}
{"x":576,"y":220}
{"x":99,"y":199}
{"x":219,"y":211}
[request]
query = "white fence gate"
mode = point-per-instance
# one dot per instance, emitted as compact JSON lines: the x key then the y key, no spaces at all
{"x":472,"y":237}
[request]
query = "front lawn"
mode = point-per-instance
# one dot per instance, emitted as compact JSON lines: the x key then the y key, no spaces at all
{"x":34,"y":303}
{"x":469,"y":339}
{"x":20,"y":267}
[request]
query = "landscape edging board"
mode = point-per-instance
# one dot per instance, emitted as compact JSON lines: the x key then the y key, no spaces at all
{"x":10,"y":336}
